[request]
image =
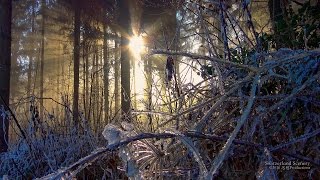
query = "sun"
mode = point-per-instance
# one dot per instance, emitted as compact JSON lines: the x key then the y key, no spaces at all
{"x":136,"y":45}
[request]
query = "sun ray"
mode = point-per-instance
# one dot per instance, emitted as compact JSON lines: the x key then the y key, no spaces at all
{"x":136,"y":46}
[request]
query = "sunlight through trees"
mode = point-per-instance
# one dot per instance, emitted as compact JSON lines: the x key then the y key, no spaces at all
{"x":159,"y":89}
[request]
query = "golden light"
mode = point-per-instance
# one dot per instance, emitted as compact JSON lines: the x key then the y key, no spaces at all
{"x":136,"y":45}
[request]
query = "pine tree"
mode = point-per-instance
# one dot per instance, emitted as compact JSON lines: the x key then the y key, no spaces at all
{"x":5,"y":63}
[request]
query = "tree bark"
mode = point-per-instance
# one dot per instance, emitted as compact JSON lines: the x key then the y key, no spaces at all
{"x":106,"y":69}
{"x":87,"y":88}
{"x":96,"y":87}
{"x":276,"y":9}
{"x":5,"y":63}
{"x":148,"y":71}
{"x":32,"y":54}
{"x":276,"y":12}
{"x":116,"y":75}
{"x":15,"y":69}
{"x":76,"y":56}
{"x":124,"y":22}
{"x":42,"y":59}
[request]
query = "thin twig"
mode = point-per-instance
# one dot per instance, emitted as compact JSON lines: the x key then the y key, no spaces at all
{"x":196,"y":56}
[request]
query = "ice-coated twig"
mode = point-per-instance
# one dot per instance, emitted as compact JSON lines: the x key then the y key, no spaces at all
{"x":195,"y":151}
{"x":264,"y":171}
{"x":197,"y":56}
{"x":298,"y":139}
{"x":100,"y":152}
{"x":217,"y":162}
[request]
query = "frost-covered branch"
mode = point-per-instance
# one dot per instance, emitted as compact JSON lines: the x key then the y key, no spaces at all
{"x":197,"y":56}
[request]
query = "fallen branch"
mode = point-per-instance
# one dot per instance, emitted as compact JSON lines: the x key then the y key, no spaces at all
{"x":98,"y":153}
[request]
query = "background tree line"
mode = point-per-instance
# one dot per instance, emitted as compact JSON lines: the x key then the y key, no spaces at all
{"x":245,"y":75}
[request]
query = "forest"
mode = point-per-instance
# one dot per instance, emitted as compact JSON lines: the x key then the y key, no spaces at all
{"x":159,"y":89}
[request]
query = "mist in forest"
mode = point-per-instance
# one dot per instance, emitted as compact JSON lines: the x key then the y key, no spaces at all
{"x":159,"y":89}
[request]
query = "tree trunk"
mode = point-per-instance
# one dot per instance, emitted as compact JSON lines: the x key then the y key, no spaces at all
{"x":84,"y":54}
{"x":96,"y":87}
{"x":106,"y":69}
{"x":277,"y":14}
{"x":116,"y":75}
{"x":149,"y":81}
{"x":275,"y":10}
{"x":76,"y":56}
{"x":15,"y":69}
{"x":32,"y":54}
{"x":5,"y":63}
{"x":124,"y":22}
{"x":42,"y":60}
{"x":87,"y":88}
